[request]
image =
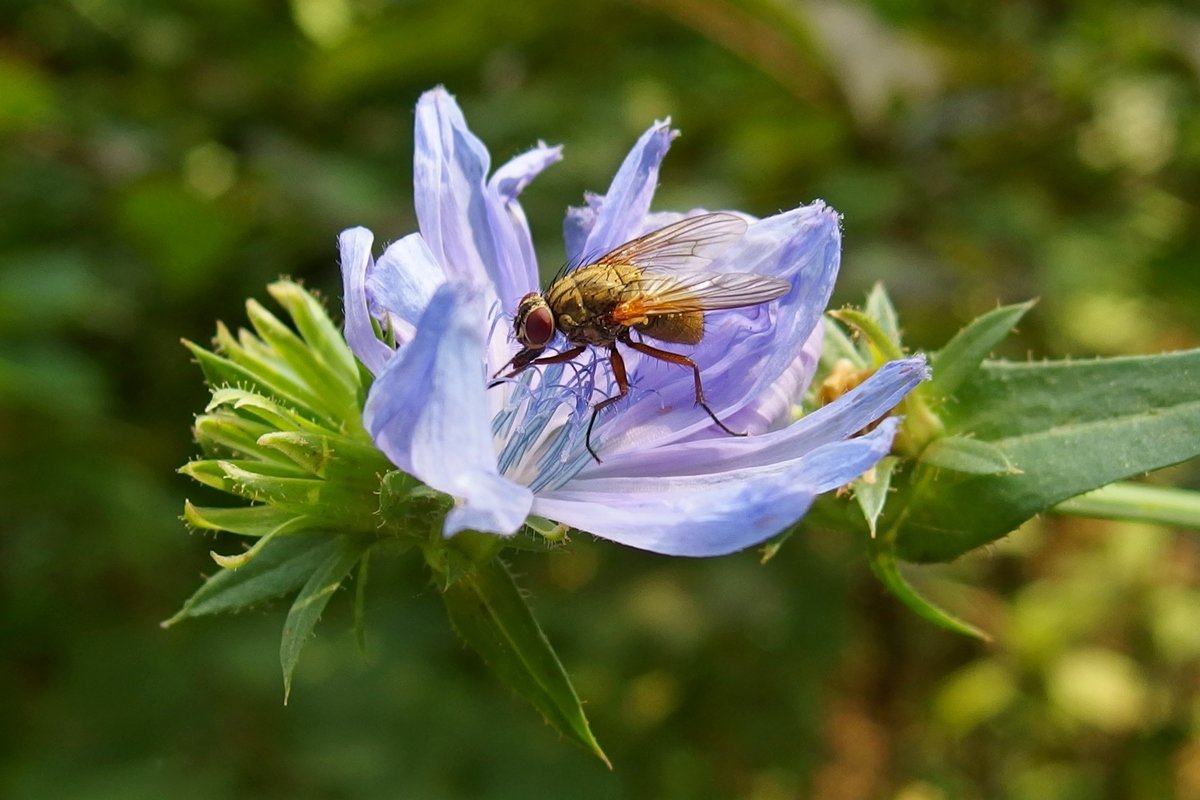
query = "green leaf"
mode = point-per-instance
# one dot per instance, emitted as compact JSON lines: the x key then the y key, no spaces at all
{"x":967,"y":454}
{"x":1072,"y":426}
{"x":282,"y":566}
{"x":963,"y":354}
{"x":488,"y":611}
{"x":318,"y":590}
{"x":887,"y":569}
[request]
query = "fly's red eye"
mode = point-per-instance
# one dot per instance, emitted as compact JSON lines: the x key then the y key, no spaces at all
{"x":537,"y":327}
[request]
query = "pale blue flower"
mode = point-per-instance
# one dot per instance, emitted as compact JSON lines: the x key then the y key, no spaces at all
{"x":670,"y":481}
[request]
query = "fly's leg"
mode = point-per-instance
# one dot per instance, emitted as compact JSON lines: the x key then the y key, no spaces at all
{"x":521,"y":365}
{"x":618,"y":369}
{"x":683,"y":361}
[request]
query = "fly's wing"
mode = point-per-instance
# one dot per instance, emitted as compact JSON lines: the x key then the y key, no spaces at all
{"x":685,"y":245}
{"x":654,"y":295}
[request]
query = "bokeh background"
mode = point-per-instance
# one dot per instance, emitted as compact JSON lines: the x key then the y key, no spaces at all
{"x":162,"y":161}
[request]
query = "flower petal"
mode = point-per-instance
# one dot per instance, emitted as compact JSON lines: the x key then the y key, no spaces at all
{"x":402,"y":283}
{"x":628,"y":199}
{"x":508,"y":221}
{"x":842,"y":418}
{"x":463,"y":220}
{"x":355,"y":247}
{"x":773,"y":407}
{"x":427,"y":412}
{"x":713,"y":514}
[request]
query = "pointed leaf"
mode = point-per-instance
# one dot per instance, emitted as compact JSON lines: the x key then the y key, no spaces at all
{"x":887,"y":569}
{"x":963,"y":354}
{"x":488,"y":611}
{"x":1072,"y":426}
{"x":281,"y":567}
{"x":313,"y":598}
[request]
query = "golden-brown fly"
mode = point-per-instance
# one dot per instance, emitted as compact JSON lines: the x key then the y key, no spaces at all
{"x":655,"y":285}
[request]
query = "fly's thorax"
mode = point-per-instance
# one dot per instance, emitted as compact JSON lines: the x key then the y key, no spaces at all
{"x":582,"y":301}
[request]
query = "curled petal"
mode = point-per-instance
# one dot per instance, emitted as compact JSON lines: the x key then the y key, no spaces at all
{"x":402,"y":283}
{"x":510,"y":230}
{"x":773,"y":407}
{"x":578,"y":224}
{"x":711,"y":515}
{"x":355,"y":247}
{"x":450,"y":166}
{"x":427,"y":412}
{"x":628,"y":199}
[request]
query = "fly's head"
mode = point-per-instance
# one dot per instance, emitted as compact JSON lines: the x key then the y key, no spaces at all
{"x":534,"y":323}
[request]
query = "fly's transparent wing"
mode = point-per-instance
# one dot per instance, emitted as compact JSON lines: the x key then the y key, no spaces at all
{"x":689,"y":244}
{"x":655,"y":295}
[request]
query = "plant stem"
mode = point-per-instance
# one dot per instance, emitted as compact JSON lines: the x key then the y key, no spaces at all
{"x":1137,"y":502}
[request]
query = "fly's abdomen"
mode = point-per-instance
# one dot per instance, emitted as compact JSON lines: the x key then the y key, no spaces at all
{"x":685,"y":327}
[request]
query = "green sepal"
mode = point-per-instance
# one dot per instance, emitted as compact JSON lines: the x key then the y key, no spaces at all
{"x":1071,"y":426}
{"x":871,"y":495}
{"x":884,"y":347}
{"x":963,"y":354}
{"x":313,"y":597}
{"x":275,"y":379}
{"x":879,"y":307}
{"x":264,"y":409}
{"x":224,"y":432}
{"x":490,"y":614}
{"x":967,"y":454}
{"x":349,"y":507}
{"x":280,"y":567}
{"x":245,"y":520}
{"x":409,"y":508}
{"x":336,"y":393}
{"x":837,"y":345}
{"x":317,"y":328}
{"x":330,"y":457}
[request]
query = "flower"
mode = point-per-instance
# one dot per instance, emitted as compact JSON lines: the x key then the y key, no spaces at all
{"x":671,"y":481}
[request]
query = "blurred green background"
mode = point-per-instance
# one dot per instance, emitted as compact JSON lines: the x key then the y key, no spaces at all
{"x":161,"y":161}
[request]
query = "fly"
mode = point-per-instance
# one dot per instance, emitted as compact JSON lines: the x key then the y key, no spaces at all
{"x":655,"y":285}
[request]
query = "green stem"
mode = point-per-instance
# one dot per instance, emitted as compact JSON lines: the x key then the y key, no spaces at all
{"x":1137,"y":502}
